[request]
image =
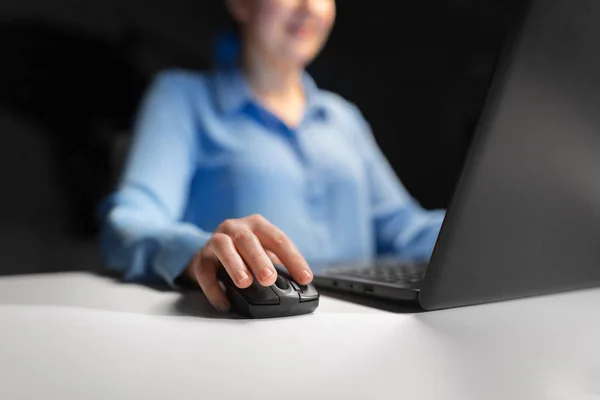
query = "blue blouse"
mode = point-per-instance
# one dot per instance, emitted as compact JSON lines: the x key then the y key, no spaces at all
{"x":205,"y":150}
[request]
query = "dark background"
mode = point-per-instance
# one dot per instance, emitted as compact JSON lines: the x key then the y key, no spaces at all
{"x":73,"y":71}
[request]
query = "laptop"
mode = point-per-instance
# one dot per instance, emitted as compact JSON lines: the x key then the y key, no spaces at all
{"x":524,"y":219}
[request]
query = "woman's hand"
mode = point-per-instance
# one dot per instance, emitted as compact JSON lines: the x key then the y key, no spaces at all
{"x":246,"y":247}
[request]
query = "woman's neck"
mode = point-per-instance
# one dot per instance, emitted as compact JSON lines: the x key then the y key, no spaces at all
{"x":269,"y":77}
{"x":277,"y":85}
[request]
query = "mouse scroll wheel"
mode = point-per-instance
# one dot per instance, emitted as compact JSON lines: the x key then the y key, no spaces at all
{"x":282,"y":283}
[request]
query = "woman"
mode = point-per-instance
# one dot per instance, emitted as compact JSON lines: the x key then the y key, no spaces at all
{"x":253,"y":164}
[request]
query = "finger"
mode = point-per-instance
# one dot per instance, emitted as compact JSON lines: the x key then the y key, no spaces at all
{"x":273,"y":257}
{"x":228,"y":255}
{"x":230,"y":226}
{"x":273,"y":239}
{"x":206,"y":274}
{"x":249,"y":247}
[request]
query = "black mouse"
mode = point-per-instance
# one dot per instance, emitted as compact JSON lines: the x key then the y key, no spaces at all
{"x":282,"y":299}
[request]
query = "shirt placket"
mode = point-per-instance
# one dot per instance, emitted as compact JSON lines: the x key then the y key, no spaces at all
{"x":316,"y":196}
{"x":315,"y":182}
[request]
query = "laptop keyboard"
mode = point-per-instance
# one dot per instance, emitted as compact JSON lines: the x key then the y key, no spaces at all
{"x":395,"y":273}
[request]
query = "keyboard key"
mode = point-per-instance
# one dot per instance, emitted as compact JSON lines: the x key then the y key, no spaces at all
{"x":387,"y":272}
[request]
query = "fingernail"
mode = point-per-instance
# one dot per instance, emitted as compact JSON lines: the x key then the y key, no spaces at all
{"x":307,"y":275}
{"x":265,"y":273}
{"x":242,"y":276}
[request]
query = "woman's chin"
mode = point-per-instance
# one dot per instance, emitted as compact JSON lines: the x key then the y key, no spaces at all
{"x":301,"y":59}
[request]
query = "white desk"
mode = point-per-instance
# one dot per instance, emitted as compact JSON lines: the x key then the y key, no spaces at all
{"x":79,"y":336}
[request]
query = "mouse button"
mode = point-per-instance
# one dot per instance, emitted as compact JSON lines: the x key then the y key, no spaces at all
{"x":281,"y":270}
{"x":287,"y":292}
{"x":308,"y":293}
{"x":260,"y":295}
{"x":295,"y":286}
{"x":282,"y":283}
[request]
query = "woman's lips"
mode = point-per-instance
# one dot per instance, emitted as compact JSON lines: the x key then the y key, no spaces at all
{"x":303,"y":31}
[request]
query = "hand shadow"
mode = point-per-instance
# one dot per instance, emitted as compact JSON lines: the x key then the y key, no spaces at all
{"x":191,"y":302}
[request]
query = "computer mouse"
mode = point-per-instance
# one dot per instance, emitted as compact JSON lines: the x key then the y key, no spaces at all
{"x":282,"y":299}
